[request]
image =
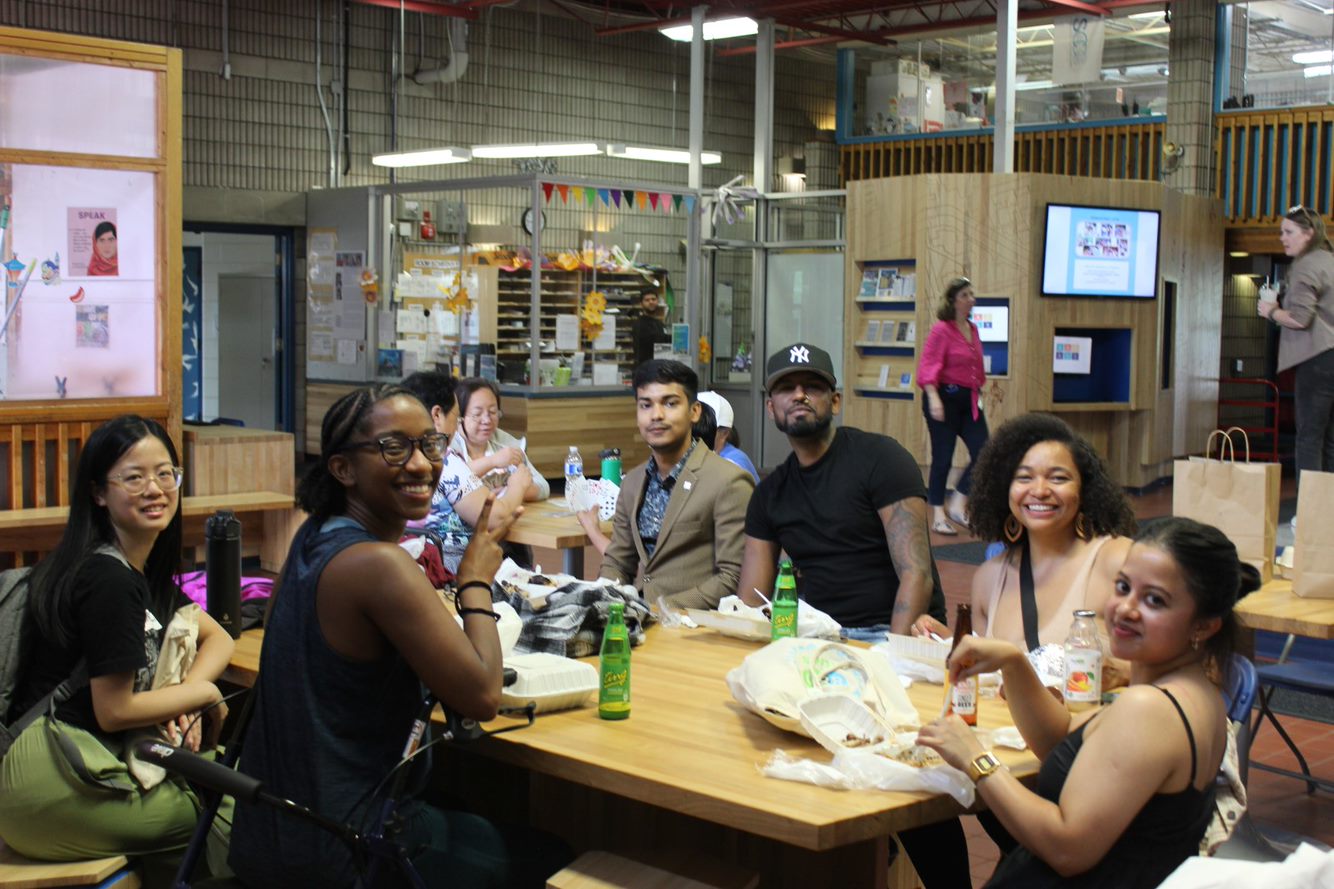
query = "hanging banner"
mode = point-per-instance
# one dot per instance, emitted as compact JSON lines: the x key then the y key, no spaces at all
{"x":605,"y":195}
{"x":1076,"y":52}
{"x":616,"y":196}
{"x":676,"y":202}
{"x":690,"y":203}
{"x":590,"y":196}
{"x":653,"y":199}
{"x":641,"y":199}
{"x":546,"y":190}
{"x":564,"y":193}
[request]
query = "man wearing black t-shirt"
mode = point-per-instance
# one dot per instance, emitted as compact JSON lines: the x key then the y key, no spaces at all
{"x":847,"y":506}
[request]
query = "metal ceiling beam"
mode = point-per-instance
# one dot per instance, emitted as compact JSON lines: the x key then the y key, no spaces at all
{"x":868,"y":36}
{"x":455,"y":10}
{"x":1081,"y":6}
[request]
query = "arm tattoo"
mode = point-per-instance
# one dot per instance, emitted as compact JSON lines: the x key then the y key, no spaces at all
{"x":910,"y":551}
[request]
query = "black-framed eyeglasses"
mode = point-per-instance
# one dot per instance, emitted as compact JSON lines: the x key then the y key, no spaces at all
{"x":135,"y":482}
{"x":397,"y":449}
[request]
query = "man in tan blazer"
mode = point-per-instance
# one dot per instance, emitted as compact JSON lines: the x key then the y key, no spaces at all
{"x":681,"y":515}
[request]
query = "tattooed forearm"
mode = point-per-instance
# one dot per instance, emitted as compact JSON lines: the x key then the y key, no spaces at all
{"x":910,"y":551}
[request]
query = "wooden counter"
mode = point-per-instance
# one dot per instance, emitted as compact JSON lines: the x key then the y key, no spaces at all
{"x":234,"y":459}
{"x":554,"y":421}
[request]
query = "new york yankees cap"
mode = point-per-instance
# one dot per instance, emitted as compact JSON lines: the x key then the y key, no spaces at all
{"x":799,"y":356}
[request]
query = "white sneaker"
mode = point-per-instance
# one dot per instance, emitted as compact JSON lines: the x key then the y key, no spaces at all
{"x":1292,"y":523}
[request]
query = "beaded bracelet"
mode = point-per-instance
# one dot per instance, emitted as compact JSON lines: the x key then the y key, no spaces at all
{"x":488,"y":612}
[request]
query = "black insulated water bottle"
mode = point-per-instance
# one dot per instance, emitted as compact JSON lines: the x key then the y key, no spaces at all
{"x":222,"y":533}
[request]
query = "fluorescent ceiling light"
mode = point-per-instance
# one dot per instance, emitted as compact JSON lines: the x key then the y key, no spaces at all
{"x":537,"y":149}
{"x":1314,"y":58}
{"x":1145,"y":15}
{"x":1319,"y":71}
{"x":1237,"y":254}
{"x":721,"y":29}
{"x":665,"y":155}
{"x":425,"y":158}
{"x":1033,"y":85}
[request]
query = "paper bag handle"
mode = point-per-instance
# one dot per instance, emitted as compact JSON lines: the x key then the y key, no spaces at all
{"x":1225,"y":444}
{"x":1244,"y":437}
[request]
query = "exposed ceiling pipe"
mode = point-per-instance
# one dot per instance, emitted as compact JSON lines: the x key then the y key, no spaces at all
{"x":319,"y":91}
{"x":453,"y":70}
{"x":452,"y":9}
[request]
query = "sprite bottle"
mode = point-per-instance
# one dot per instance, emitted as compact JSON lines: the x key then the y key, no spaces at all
{"x":614,"y":690}
{"x":784,"y":604}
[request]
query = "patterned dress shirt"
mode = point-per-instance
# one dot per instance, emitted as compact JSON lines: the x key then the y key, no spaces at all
{"x":657,"y":491}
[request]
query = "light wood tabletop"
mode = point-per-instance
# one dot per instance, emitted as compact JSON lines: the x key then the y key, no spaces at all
{"x":1275,"y":607}
{"x":550,"y":524}
{"x":690,"y":748}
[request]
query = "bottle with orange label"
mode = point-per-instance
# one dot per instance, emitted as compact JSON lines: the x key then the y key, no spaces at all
{"x":1083,"y":663}
{"x":963,"y":694}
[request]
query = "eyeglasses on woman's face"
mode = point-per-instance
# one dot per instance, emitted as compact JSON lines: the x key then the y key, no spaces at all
{"x":491,"y":413}
{"x":397,"y":449}
{"x":135,"y":481}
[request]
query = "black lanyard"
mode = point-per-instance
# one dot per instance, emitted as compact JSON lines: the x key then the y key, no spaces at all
{"x":1028,"y":599}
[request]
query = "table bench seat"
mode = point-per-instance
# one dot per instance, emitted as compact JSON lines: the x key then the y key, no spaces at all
{"x":17,"y":872}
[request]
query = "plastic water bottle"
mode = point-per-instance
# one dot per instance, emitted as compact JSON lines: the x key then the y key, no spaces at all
{"x":614,"y":688}
{"x":783,"y":607}
{"x":574,"y":469}
{"x":1083,"y":663}
{"x":222,"y":569}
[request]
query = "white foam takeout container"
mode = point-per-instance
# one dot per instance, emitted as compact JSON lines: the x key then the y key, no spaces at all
{"x":549,"y":681}
{"x":737,"y":625}
{"x":830,"y":719}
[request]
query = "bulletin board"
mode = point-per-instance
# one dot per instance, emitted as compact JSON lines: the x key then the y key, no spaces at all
{"x":340,"y":314}
{"x":90,"y":231}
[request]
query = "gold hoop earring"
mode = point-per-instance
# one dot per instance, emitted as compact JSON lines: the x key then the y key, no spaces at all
{"x":1013,"y":530}
{"x":1082,"y":528}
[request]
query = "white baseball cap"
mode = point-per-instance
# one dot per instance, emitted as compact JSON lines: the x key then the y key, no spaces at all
{"x":721,"y":409}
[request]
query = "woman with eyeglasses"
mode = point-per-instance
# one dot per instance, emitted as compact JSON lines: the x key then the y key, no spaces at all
{"x":354,"y":632}
{"x":97,"y":608}
{"x":951,"y":375}
{"x":490,"y":451}
{"x":1304,"y":314}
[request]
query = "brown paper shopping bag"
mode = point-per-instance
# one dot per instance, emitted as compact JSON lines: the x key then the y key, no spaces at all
{"x":1238,"y":498}
{"x":1313,"y":553}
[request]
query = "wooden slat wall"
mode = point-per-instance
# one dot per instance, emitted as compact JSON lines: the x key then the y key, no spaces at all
{"x":989,"y":228}
{"x":1116,"y":151}
{"x":1270,"y":160}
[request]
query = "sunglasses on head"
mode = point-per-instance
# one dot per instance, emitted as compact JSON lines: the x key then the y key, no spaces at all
{"x":1305,"y":212}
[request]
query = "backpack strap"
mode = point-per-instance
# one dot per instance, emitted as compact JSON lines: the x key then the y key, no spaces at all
{"x":48,"y":703}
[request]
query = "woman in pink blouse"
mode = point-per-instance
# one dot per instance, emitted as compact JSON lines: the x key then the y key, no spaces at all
{"x":951,"y":376}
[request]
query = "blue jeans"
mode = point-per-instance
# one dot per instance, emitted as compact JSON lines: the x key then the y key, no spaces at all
{"x":874,"y":633}
{"x":958,"y":423}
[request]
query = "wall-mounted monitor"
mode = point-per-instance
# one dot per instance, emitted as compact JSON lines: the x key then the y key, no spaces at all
{"x":1100,"y":252}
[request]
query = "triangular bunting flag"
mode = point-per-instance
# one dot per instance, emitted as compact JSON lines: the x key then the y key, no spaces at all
{"x":605,"y":195}
{"x":676,"y":202}
{"x":546,"y":190}
{"x":616,"y":196}
{"x":629,"y":198}
{"x":590,"y":195}
{"x":564,"y":193}
{"x":653,"y":199}
{"x":690,"y":203}
{"x":665,"y":203}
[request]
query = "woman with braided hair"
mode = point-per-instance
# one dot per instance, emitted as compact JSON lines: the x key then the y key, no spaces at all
{"x":354,"y":632}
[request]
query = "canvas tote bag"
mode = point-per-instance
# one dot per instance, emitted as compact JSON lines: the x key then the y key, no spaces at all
{"x":1239,"y":498}
{"x":1313,"y":553}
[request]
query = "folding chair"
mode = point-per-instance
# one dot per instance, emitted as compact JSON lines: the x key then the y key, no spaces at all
{"x":1246,"y":843}
{"x":1303,"y":676}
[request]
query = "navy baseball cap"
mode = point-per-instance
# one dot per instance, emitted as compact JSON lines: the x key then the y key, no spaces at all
{"x":799,"y":356}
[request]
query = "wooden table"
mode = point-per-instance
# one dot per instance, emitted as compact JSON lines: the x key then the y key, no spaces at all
{"x":550,"y":524}
{"x":1275,"y":607}
{"x":683,"y":773}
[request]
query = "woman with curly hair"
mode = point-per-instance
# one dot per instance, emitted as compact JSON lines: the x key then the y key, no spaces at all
{"x":1048,"y":495}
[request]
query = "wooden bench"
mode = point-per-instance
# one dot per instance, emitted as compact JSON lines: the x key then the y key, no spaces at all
{"x":30,"y":532}
{"x":605,"y":870}
{"x":17,"y":872}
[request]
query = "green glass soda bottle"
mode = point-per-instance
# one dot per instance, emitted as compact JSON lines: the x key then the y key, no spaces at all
{"x":784,"y":604}
{"x":614,"y":691}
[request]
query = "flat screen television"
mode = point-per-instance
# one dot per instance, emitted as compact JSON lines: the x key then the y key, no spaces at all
{"x":1100,"y":252}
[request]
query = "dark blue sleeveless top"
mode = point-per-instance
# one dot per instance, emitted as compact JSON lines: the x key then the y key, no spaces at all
{"x":1165,"y":833}
{"x":325,"y":730}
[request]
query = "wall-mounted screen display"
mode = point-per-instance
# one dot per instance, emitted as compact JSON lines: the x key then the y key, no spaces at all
{"x":1101,"y":252}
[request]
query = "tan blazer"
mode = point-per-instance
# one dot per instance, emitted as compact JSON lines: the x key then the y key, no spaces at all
{"x":698,"y":557}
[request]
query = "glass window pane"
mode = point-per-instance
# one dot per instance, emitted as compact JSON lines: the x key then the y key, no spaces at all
{"x":81,"y":271}
{"x":53,"y":105}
